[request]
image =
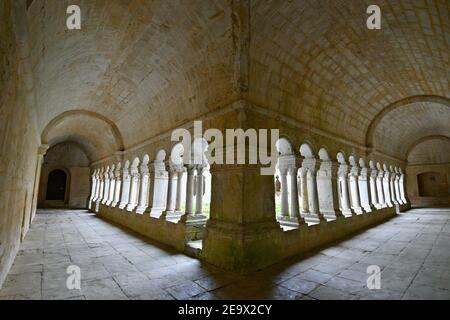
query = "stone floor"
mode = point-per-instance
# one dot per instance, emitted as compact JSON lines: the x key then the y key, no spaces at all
{"x":412,"y":250}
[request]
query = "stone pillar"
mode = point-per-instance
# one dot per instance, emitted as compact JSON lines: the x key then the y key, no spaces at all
{"x":343,"y":187}
{"x":126,"y":182}
{"x":363,"y":186}
{"x":102,"y":186}
{"x":117,"y":189}
{"x":105,"y":193}
{"x":179,"y":189}
{"x":327,"y":186}
{"x":93,"y":188}
{"x":294,"y":210}
{"x":387,"y":186}
{"x":397,"y":187}
{"x":97,"y":187}
{"x":158,"y":188}
{"x":42,"y":150}
{"x":380,"y":188}
{"x":112,"y":186}
{"x":134,"y":188}
{"x":373,"y":173}
{"x":144,"y":188}
{"x":392,"y":185}
{"x":242,"y":227}
{"x":311,"y":166}
{"x":284,"y":193}
{"x":402,"y":186}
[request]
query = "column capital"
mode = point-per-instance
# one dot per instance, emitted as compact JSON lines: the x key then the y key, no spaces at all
{"x":42,"y":149}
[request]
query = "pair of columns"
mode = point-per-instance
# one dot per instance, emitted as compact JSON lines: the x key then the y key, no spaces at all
{"x":195,"y":189}
{"x":174,"y":189}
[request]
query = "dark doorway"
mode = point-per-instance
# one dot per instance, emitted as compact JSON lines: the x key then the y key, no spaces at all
{"x":56,"y":185}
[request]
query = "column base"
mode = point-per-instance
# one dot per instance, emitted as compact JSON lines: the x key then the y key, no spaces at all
{"x":367,"y":209}
{"x":358,"y":210}
{"x":313,"y":218}
{"x":131,"y":207}
{"x":193,"y":219}
{"x":290,"y":221}
{"x":122,"y":205}
{"x":140,"y":210}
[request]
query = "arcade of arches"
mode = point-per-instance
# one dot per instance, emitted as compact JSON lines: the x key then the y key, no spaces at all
{"x":86,"y":120}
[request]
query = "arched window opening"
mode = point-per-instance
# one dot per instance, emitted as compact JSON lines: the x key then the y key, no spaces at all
{"x":56,"y":185}
{"x":286,"y":194}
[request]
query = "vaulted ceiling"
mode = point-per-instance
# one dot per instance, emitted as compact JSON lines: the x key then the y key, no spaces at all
{"x":148,"y":66}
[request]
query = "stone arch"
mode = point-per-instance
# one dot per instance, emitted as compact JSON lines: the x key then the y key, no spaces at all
{"x":284,"y":146}
{"x":103,"y":139}
{"x":324,"y":154}
{"x":398,"y":104}
{"x":427,"y":138}
{"x":306,"y":150}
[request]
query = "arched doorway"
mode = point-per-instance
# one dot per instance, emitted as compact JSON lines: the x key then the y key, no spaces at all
{"x":56,"y":185}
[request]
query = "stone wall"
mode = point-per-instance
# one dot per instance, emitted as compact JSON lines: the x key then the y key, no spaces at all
{"x":71,"y":158}
{"x":19,"y":144}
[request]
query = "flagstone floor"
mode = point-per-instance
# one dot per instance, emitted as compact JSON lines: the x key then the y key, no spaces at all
{"x":412,"y":250}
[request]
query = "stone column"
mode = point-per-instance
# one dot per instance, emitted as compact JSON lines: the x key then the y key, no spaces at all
{"x":327,"y":186}
{"x":304,"y":210}
{"x":126,"y":182}
{"x":363,"y":186}
{"x":112,"y":186}
{"x":200,"y":190}
{"x":144,"y":189}
{"x":171,"y":191}
{"x":134,"y":189}
{"x":284,"y":193}
{"x":373,"y":173}
{"x":343,"y":187}
{"x":117,"y":189}
{"x":190,"y":169}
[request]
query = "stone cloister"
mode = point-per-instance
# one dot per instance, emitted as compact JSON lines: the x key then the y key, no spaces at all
{"x":87,"y":116}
